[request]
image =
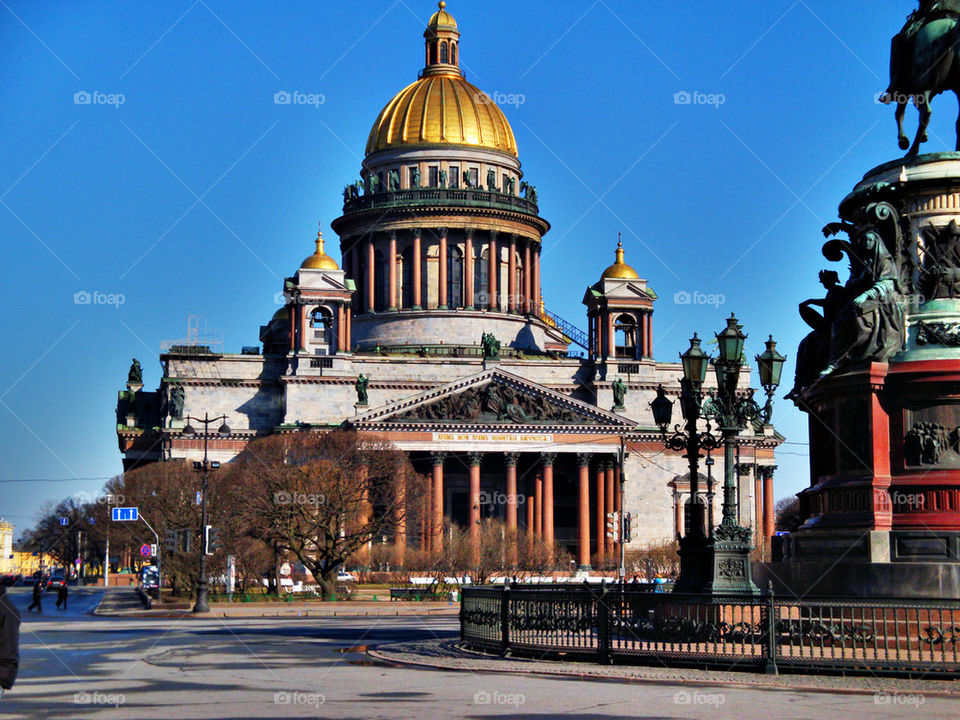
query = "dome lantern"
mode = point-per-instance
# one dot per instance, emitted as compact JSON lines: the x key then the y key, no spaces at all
{"x":442,"y":41}
{"x":620,"y":270}
{"x":319,"y":260}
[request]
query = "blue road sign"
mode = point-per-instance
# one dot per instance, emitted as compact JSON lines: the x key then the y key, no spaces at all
{"x":124,"y":514}
{"x":64,"y":521}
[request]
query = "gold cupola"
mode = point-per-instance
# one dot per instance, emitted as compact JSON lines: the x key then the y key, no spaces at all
{"x":442,"y":108}
{"x":319,"y":260}
{"x":620,"y":270}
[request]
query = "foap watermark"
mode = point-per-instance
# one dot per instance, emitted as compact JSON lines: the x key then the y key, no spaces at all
{"x":498,"y":498}
{"x":698,"y":298}
{"x":682,"y":97}
{"x":899,"y":98}
{"x":296,"y":97}
{"x":685,"y":697}
{"x":501,"y":98}
{"x":298,"y":498}
{"x":83,"y":97}
{"x":485,"y":697}
{"x":98,"y":698}
{"x":84,"y":297}
{"x":98,"y":498}
{"x":296,"y":697}
{"x":897,"y":698}
{"x":902,"y":499}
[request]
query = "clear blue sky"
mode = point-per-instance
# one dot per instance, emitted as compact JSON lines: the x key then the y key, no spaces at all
{"x":724,"y":199}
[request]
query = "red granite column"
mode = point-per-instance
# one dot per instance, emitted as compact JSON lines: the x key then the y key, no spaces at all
{"x":303,"y":326}
{"x":642,"y":336}
{"x":510,"y":461}
{"x":611,"y":337}
{"x":341,"y":327}
{"x":535,"y":281}
{"x":650,"y":334}
{"x":400,"y":531}
{"x":349,"y":345}
{"x":512,"y":275}
{"x":609,"y":506}
{"x":492,"y":271}
{"x":371,"y":276}
{"x":759,"y":531}
{"x":416,"y":272}
{"x":468,"y":271}
{"x":538,"y":507}
{"x":601,"y":494}
{"x":437,"y":510}
{"x":475,"y":459}
{"x":527,"y":305}
{"x":531,"y":516}
{"x":583,"y":510}
{"x":769,"y":522}
{"x":442,"y":300}
{"x":617,"y":504}
{"x":548,"y":460}
{"x":293,"y":326}
{"x":392,"y":272}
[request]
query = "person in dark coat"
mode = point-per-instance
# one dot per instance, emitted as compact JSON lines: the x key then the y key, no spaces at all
{"x":62,"y":597}
{"x":37,"y":597}
{"x":9,"y":641}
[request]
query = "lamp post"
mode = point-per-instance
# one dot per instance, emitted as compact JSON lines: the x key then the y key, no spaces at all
{"x":200,"y":605}
{"x":720,"y":562}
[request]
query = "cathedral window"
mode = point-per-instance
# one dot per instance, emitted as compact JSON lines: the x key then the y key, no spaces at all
{"x":444,"y":52}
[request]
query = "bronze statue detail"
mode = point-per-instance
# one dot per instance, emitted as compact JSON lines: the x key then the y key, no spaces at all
{"x":924,"y":62}
{"x":619,"y":388}
{"x":135,"y":375}
{"x":491,"y":346}
{"x":361,"y":386}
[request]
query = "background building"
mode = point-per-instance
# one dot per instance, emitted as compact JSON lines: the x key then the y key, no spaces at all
{"x":440,"y":243}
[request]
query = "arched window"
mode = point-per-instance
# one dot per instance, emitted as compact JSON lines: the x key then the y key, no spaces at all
{"x":625,"y":327}
{"x":321,"y":323}
{"x":453,"y":53}
{"x":433,"y":54}
{"x":687,"y":507}
{"x":454,"y":277}
{"x":444,"y":52}
{"x":382,"y":292}
{"x":482,"y":274}
{"x":406,"y":294}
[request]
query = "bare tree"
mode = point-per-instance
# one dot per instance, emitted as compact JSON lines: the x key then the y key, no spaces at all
{"x":323,"y":497}
{"x":787,"y":513}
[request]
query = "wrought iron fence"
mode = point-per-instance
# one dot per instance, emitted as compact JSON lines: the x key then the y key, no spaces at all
{"x":766,"y":633}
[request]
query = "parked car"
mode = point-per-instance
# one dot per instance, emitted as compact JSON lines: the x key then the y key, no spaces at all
{"x":344,"y":576}
{"x":10,"y":579}
{"x":55,"y":582}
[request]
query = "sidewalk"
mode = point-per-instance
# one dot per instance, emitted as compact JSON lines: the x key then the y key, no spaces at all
{"x":122,"y":607}
{"x":447,"y":655}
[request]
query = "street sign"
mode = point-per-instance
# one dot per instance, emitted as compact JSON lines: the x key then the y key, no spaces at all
{"x":231,"y":573}
{"x":145,"y":550}
{"x":125,"y":514}
{"x":153,"y":549}
{"x":64,"y":521}
{"x":200,"y":494}
{"x":285,"y":569}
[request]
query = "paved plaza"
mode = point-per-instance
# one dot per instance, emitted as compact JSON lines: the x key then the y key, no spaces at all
{"x":77,"y":665}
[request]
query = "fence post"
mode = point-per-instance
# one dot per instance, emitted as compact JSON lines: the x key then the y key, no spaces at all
{"x":603,"y":625}
{"x":770,"y":624}
{"x":505,"y":620}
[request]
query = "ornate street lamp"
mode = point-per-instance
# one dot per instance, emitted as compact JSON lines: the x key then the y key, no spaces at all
{"x":201,"y":605}
{"x":718,"y":562}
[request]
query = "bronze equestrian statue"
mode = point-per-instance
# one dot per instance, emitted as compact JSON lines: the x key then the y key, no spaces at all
{"x":924,"y":62}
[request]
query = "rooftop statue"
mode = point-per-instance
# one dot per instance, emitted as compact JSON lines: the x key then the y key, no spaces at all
{"x":135,"y":375}
{"x":923,"y":64}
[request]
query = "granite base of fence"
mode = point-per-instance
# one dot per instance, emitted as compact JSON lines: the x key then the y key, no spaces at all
{"x":615,"y":623}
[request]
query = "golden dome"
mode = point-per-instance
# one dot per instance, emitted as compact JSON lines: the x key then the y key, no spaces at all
{"x":319,"y":260}
{"x":442,"y":109}
{"x":441,"y":18}
{"x":620,"y":270}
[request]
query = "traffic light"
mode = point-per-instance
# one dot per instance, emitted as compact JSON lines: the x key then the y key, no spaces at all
{"x":627,"y":530}
{"x":613,"y":522}
{"x":211,"y":539}
{"x":170,"y":541}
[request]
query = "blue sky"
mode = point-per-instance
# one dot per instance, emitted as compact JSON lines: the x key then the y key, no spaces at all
{"x":198,"y":194}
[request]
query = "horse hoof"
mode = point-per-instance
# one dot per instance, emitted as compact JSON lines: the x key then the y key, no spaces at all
{"x":923,"y":139}
{"x":904,"y":143}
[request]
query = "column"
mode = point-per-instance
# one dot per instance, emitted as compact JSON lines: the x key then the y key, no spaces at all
{"x":475,"y":459}
{"x":436,"y":544}
{"x":400,"y":529}
{"x":678,"y":513}
{"x":769,"y":522}
{"x":512,"y":276}
{"x":364,"y":510}
{"x":527,"y":304}
{"x":609,"y":505}
{"x":642,"y":336}
{"x":531,"y":516}
{"x":583,"y":510}
{"x":611,"y":336}
{"x":538,"y":505}
{"x":493,"y":269}
{"x":468,"y":271}
{"x":341,"y":327}
{"x":510,"y":461}
{"x":371,"y":290}
{"x":535,"y":281}
{"x":617,"y":504}
{"x":349,"y":330}
{"x":304,"y":326}
{"x":548,"y":460}
{"x":425,"y":506}
{"x":758,"y":529}
{"x":293,"y":326}
{"x":392,"y":273}
{"x":354,"y":270}
{"x":442,"y":300}
{"x":650,"y":334}
{"x":416,"y":272}
{"x":600,"y":489}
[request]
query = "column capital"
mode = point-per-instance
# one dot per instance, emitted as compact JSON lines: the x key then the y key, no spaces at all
{"x":766,"y":471}
{"x":475,"y":458}
{"x":417,"y":232}
{"x":468,"y":233}
{"x":583,"y":459}
{"x":744,"y":468}
{"x":438,"y":458}
{"x":510,"y":458}
{"x":442,"y":232}
{"x":392,"y":235}
{"x":548,"y":458}
{"x":494,"y":234}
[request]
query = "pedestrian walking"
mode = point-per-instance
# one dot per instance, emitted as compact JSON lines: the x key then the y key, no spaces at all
{"x":62,"y":597}
{"x":37,"y":597}
{"x":9,"y":641}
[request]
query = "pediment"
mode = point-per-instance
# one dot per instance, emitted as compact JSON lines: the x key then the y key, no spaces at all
{"x":493,"y":397}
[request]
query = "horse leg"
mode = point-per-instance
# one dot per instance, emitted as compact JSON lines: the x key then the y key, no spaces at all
{"x":924,"y":109}
{"x":902,"y":139}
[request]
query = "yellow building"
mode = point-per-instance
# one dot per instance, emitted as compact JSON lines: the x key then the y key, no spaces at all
{"x":6,"y":546}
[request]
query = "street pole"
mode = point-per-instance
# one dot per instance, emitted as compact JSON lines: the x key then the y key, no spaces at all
{"x":201,"y":605}
{"x":622,"y":572}
{"x":106,"y":554}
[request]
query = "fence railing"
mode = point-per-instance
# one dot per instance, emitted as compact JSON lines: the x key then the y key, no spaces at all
{"x":764,"y":633}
